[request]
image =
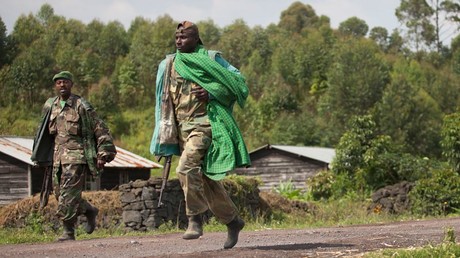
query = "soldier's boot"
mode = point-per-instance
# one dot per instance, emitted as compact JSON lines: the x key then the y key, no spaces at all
{"x":233,"y":230}
{"x":69,"y":231}
{"x":195,"y":227}
{"x":91,"y":214}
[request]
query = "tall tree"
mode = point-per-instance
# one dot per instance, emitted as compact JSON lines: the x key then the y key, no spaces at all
{"x":151,"y":42}
{"x":408,"y":113}
{"x":210,"y":33}
{"x":380,"y":36}
{"x":3,"y":44}
{"x":354,"y":27}
{"x":416,"y":15}
{"x":356,"y":81}
{"x":299,"y":16}
{"x":236,"y":43}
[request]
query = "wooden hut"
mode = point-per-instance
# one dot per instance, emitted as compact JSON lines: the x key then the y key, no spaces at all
{"x":275,"y":164}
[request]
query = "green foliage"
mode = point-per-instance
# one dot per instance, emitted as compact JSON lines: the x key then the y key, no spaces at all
{"x":298,"y":16}
{"x":451,"y":140}
{"x":438,"y":194}
{"x":18,"y":121}
{"x":353,"y":145}
{"x":320,"y":185}
{"x":288,"y":190}
{"x":243,"y":191}
{"x":448,"y":248}
{"x":351,"y":92}
{"x":442,"y":250}
{"x":138,"y":128}
{"x":36,"y":223}
{"x":306,"y":80}
{"x":354,"y":27}
{"x":449,"y":235}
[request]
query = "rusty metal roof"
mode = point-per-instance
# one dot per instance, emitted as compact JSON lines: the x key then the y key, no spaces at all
{"x":21,"y":149}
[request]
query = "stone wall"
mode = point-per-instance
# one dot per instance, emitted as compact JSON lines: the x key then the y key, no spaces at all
{"x":139,"y":200}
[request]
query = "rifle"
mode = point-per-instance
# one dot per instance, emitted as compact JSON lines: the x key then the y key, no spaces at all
{"x":47,"y":187}
{"x":164,"y":179}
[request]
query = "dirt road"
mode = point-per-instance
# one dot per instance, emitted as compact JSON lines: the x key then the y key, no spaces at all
{"x":320,"y":242}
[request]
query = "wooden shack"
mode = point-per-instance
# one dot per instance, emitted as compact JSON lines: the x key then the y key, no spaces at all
{"x":275,"y":164}
{"x":19,"y":178}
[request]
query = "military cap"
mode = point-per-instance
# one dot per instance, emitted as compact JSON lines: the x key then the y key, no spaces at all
{"x":187,"y":25}
{"x":63,"y":75}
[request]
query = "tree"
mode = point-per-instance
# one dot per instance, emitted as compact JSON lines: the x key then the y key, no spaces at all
{"x":3,"y":44}
{"x":151,"y":42}
{"x":354,"y":27}
{"x":380,"y":36}
{"x":353,"y":144}
{"x":408,"y":113}
{"x":112,"y":43}
{"x":26,"y":30}
{"x":236,"y":43}
{"x":297,"y":17}
{"x":356,"y":81}
{"x":416,"y":15}
{"x":45,"y":14}
{"x":429,"y":22}
{"x":451,"y":140}
{"x":210,"y":33}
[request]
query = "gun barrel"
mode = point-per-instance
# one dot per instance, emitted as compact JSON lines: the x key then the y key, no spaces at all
{"x":165,"y":176}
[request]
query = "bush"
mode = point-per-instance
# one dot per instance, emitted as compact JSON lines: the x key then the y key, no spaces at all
{"x":437,"y":195}
{"x":320,"y":185}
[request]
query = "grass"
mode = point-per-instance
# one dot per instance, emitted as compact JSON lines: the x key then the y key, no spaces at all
{"x":448,"y":248}
{"x":334,"y":213}
{"x":325,"y":214}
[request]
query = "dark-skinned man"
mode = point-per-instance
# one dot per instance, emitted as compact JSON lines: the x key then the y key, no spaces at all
{"x":196,"y":90}
{"x":76,"y":143}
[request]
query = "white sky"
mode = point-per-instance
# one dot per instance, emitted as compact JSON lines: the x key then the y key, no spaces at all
{"x":222,"y":12}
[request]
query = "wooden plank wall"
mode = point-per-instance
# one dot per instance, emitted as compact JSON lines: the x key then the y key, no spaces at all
{"x":13,"y":180}
{"x":273,"y":167}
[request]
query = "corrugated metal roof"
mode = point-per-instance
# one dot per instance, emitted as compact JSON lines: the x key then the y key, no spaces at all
{"x":325,"y":155}
{"x":21,"y":149}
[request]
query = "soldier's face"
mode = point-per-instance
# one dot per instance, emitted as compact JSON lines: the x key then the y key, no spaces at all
{"x":63,"y":87}
{"x":186,"y":40}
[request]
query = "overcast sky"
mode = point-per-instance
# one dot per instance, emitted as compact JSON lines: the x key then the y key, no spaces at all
{"x":222,"y":12}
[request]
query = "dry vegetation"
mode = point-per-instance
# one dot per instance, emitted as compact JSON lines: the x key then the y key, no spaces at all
{"x":19,"y":214}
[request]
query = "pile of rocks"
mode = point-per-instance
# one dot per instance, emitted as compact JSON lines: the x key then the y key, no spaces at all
{"x":392,"y":199}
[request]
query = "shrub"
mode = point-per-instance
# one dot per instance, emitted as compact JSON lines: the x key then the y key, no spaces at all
{"x":437,"y":195}
{"x":320,"y":185}
{"x":287,"y":189}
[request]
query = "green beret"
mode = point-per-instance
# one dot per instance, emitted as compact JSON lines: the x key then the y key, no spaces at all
{"x":63,"y":75}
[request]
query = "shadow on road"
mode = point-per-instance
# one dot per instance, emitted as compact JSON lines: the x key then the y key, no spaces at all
{"x":300,"y":246}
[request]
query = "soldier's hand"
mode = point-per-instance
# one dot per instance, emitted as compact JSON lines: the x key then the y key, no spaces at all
{"x":200,"y":93}
{"x":100,"y":163}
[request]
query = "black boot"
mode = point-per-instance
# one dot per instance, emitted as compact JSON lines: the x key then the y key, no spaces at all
{"x":233,"y":230}
{"x":69,"y":231}
{"x":91,"y":214}
{"x":195,"y":227}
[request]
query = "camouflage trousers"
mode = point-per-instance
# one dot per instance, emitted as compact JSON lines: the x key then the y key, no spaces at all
{"x":69,"y":182}
{"x":201,"y":193}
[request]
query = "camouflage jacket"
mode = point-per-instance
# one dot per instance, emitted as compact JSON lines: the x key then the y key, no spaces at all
{"x":72,"y":134}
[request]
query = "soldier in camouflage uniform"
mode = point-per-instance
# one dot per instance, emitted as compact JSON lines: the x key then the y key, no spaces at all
{"x":82,"y":145}
{"x":183,"y":127}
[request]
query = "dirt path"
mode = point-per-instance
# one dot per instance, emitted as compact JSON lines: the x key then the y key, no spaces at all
{"x":321,"y":242}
